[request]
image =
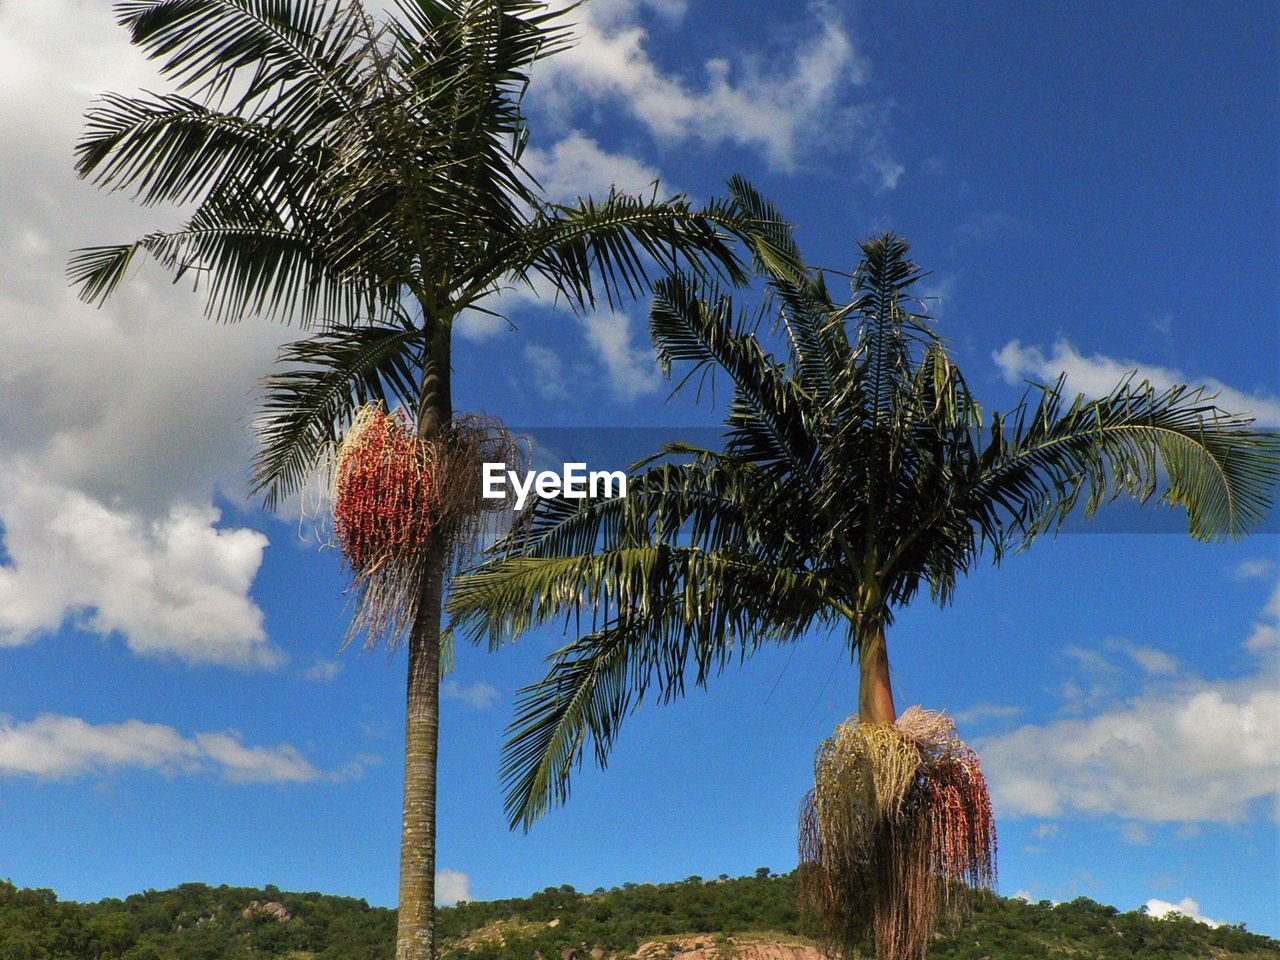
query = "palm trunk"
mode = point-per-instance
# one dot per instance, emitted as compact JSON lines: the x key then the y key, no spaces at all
{"x":415,"y":932}
{"x":875,"y":692}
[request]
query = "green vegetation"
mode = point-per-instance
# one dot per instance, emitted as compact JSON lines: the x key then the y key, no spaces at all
{"x":198,"y":922}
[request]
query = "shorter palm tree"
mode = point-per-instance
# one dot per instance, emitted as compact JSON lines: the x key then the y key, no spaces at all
{"x":857,"y":471}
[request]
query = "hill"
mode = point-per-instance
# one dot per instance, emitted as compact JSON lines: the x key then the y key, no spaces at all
{"x":749,"y":918}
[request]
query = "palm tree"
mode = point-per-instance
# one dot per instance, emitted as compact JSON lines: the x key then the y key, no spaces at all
{"x":362,"y":177}
{"x":856,"y":471}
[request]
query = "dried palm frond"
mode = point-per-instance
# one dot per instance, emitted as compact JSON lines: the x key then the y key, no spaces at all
{"x":929,"y":728}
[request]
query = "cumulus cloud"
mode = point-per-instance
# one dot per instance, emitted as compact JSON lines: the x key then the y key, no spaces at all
{"x":1098,"y":374}
{"x":478,"y":695}
{"x":769,"y":103}
{"x":117,"y":426}
{"x":577,"y":166}
{"x":452,"y":886}
{"x":1202,"y":751}
{"x":53,"y":746}
{"x":174,"y":586}
{"x":1187,"y":750}
{"x":1163,"y":909}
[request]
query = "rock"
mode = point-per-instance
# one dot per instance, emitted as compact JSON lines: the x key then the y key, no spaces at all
{"x":597,"y":953}
{"x":554,"y":923}
{"x":702,"y":948}
{"x":268,"y":908}
{"x":569,"y":953}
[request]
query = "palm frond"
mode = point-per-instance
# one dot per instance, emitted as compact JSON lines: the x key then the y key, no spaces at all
{"x":1039,"y":463}
{"x":305,"y":55}
{"x":332,"y":375}
{"x":247,"y":258}
{"x":172,"y":149}
{"x":661,"y":615}
{"x":608,"y":248}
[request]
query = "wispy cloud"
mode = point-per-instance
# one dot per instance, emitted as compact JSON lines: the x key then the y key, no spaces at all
{"x":53,"y":746}
{"x":1255,"y":568}
{"x":631,"y":369}
{"x":478,"y":695}
{"x":547,"y":371}
{"x":1266,"y":630}
{"x":987,"y":711}
{"x":1151,"y":660}
{"x":323,"y":671}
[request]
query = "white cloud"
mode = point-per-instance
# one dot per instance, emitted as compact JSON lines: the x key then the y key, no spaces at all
{"x":937,"y":291}
{"x":478,"y":695}
{"x":452,"y":886}
{"x":632,"y":370}
{"x":1204,"y":751}
{"x":241,"y":764}
{"x":1186,"y":751}
{"x":1097,"y":375}
{"x":60,"y":747}
{"x":577,"y":166}
{"x":173,"y":586}
{"x":1163,"y":909}
{"x":323,"y":671}
{"x":1266,"y":631}
{"x":771,"y":103}
{"x":118,"y":425}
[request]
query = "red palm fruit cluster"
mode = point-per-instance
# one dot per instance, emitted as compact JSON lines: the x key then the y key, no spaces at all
{"x":961,"y":823}
{"x":386,"y":501}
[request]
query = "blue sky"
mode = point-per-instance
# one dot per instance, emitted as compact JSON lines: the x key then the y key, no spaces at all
{"x":1094,"y":189}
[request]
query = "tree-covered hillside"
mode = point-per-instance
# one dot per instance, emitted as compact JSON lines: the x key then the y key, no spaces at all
{"x":198,"y":922}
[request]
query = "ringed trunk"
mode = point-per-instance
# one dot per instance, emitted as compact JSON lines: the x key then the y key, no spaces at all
{"x":875,"y":692}
{"x":415,"y":930}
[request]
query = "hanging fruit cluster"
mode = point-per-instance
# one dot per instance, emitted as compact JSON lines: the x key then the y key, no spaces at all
{"x":961,"y":824}
{"x":387,"y":498}
{"x":897,"y":830}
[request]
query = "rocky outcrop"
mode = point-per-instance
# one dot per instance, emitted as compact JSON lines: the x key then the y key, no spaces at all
{"x":266,"y":908}
{"x":726,"y":948}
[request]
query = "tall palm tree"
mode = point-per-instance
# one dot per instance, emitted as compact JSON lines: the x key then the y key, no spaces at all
{"x":361,"y":176}
{"x":856,"y":471}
